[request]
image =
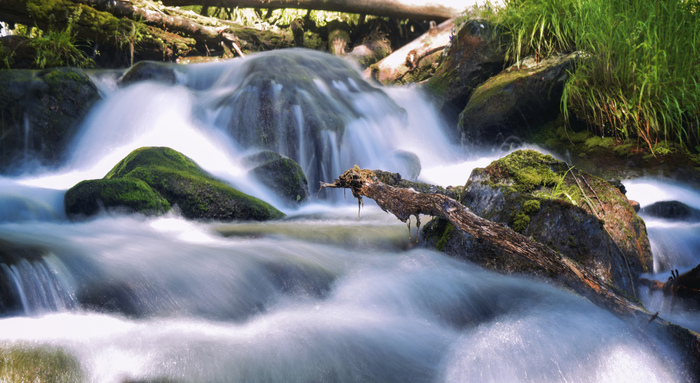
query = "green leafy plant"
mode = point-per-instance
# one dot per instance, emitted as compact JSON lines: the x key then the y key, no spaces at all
{"x":55,"y":48}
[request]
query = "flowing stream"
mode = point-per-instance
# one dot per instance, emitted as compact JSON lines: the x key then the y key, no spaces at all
{"x":316,"y":297}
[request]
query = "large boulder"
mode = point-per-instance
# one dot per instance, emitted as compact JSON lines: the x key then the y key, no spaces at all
{"x":577,"y":214}
{"x":476,"y":53}
{"x":40,"y":112}
{"x":300,"y":110}
{"x":280,"y":174}
{"x":150,"y":180}
{"x":516,"y":101}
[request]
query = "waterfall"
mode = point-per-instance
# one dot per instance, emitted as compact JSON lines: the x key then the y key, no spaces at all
{"x":36,"y":286}
{"x":318,"y":296}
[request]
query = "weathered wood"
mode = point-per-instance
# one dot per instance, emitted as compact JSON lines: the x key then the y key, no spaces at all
{"x":414,"y":56}
{"x":404,"y":203}
{"x":411,"y":9}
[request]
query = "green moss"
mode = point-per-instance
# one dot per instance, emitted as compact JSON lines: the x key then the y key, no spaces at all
{"x":493,"y":86}
{"x":181,"y":182}
{"x":520,"y":222}
{"x":87,"y":197}
{"x":531,"y":207}
{"x":447,"y":230}
{"x":528,"y":169}
{"x":38,"y":364}
{"x":602,"y":142}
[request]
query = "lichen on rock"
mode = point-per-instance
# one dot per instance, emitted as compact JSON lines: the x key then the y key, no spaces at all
{"x":582,"y":216}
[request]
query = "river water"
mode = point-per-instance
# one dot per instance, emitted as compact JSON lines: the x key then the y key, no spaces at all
{"x":318,"y":296}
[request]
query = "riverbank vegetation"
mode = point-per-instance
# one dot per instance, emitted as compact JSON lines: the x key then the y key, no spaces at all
{"x":639,"y":73}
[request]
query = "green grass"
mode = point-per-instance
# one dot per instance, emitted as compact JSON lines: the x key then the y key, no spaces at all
{"x":639,"y":74}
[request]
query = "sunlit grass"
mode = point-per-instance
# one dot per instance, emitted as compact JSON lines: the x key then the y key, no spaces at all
{"x":640,"y":67}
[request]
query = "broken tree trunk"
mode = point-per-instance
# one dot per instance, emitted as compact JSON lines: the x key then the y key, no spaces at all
{"x":417,"y":56}
{"x":404,"y":203}
{"x":413,"y":9}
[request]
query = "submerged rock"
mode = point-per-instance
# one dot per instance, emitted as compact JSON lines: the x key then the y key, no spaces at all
{"x":41,"y":112}
{"x":148,"y":71}
{"x":575,"y":213}
{"x":516,"y":101}
{"x":673,"y":210}
{"x":150,"y":180}
{"x":281,"y":174}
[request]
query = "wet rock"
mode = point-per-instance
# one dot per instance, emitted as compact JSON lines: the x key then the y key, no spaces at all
{"x":516,"y":101}
{"x":151,"y":179}
{"x":41,"y":113}
{"x":579,"y":215}
{"x":673,"y":210}
{"x":476,"y":54}
{"x":282,"y":175}
{"x":148,"y":71}
{"x":16,"y":52}
{"x":300,"y":110}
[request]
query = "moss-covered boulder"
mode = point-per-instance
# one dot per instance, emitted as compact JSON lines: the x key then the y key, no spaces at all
{"x":40,"y":112}
{"x":477,"y":53}
{"x":150,"y":180}
{"x":19,"y":363}
{"x":516,"y":101}
{"x":281,"y":174}
{"x":582,"y":216}
{"x":126,"y":194}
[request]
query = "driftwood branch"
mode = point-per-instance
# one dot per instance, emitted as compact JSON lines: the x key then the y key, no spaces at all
{"x":404,"y":203}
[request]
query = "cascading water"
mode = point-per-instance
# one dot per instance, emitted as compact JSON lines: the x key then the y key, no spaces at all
{"x":316,"y":297}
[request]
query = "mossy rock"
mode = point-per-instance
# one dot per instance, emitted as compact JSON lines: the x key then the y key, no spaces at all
{"x":125,"y":194}
{"x":617,"y":159}
{"x":477,"y":53}
{"x":151,"y":179}
{"x":580,"y":215}
{"x":516,"y":101}
{"x":20,"y":363}
{"x":282,"y":175}
{"x":41,"y":113}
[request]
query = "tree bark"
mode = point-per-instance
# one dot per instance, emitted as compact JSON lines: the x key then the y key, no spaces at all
{"x":416,"y":56}
{"x":411,"y":9}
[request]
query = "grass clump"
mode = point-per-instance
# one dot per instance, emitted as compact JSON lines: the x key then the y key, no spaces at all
{"x":639,"y":74}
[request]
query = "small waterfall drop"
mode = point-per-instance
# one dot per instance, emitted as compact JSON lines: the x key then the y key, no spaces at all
{"x":318,"y":296}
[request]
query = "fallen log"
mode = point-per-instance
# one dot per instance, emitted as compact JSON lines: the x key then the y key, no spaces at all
{"x":415,"y":57}
{"x":405,"y":202}
{"x":413,"y":9}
